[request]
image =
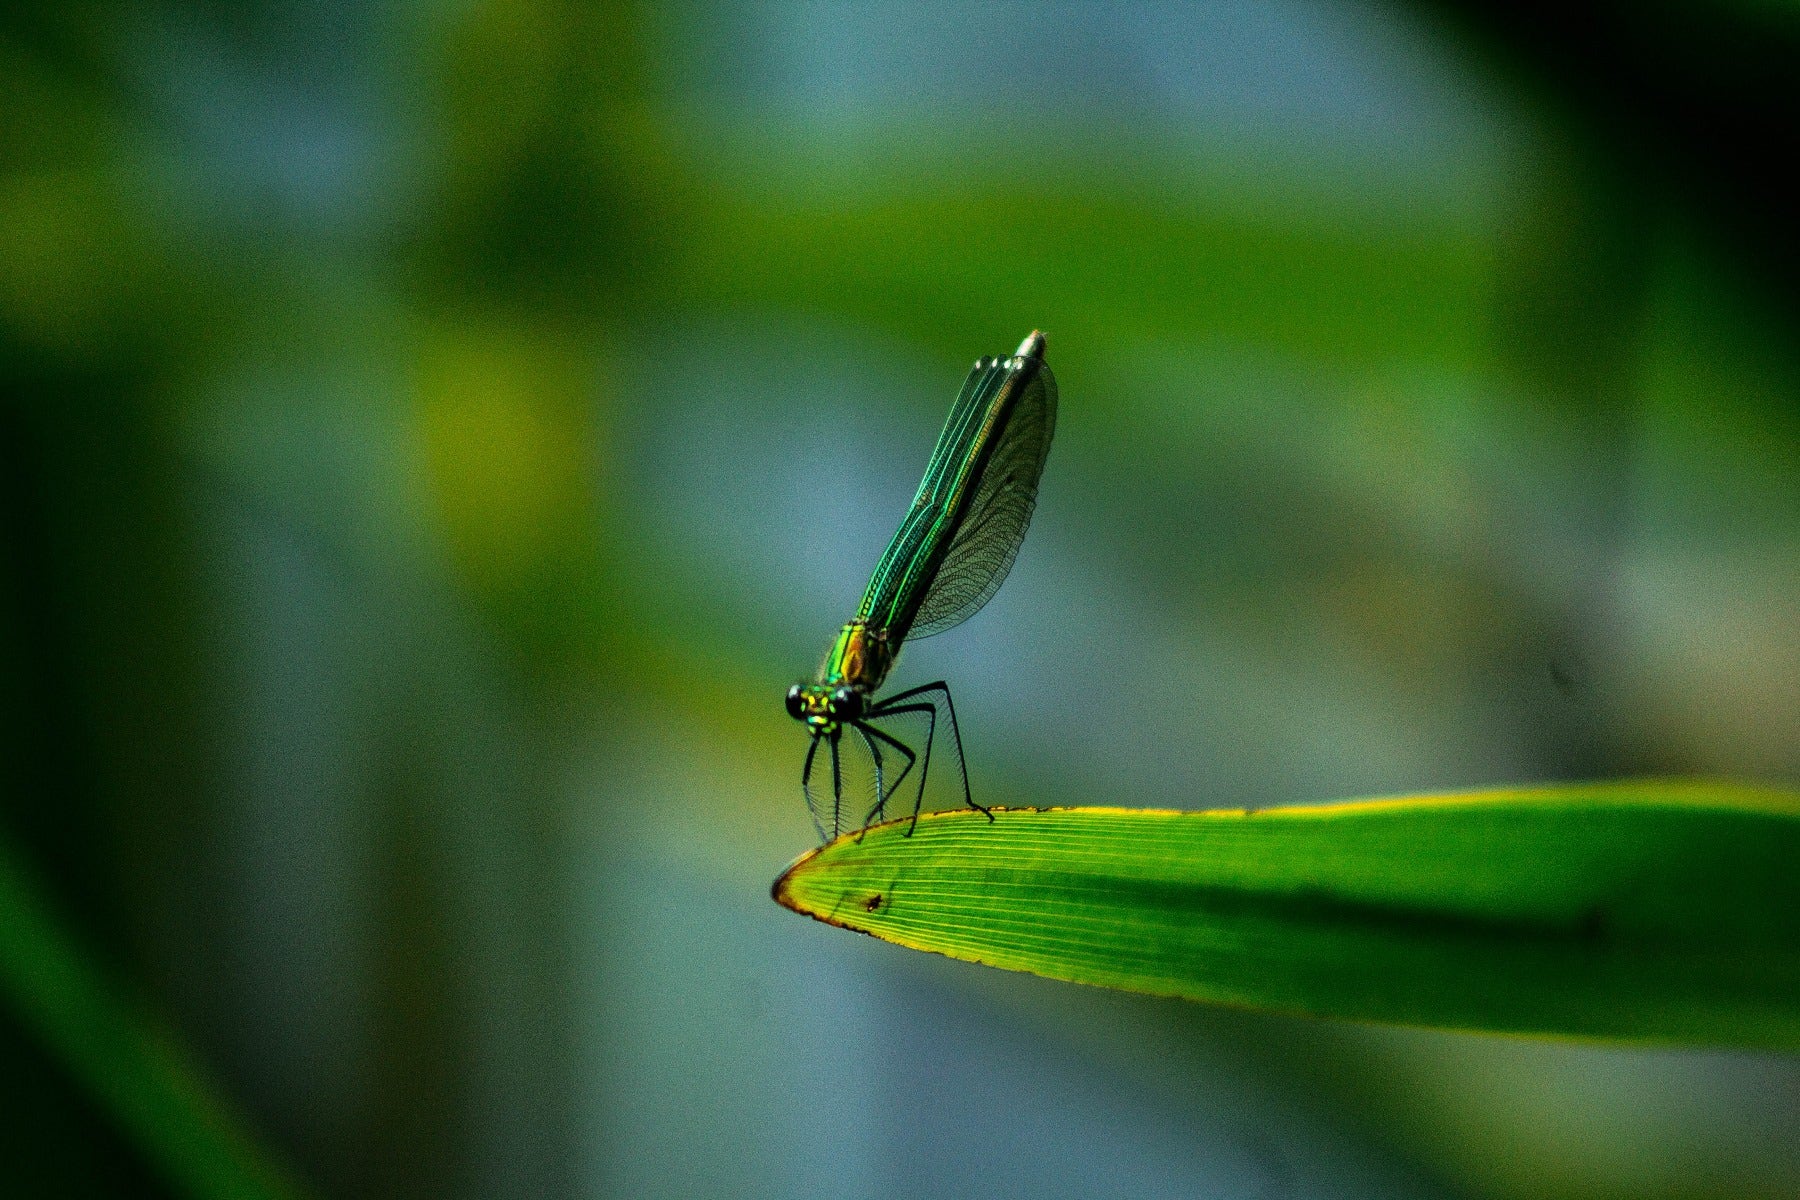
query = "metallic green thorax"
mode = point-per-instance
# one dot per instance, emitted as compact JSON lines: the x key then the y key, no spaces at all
{"x":977,"y":423}
{"x":859,"y":659}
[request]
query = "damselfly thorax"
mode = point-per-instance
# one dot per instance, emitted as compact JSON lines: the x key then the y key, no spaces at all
{"x":853,"y":670}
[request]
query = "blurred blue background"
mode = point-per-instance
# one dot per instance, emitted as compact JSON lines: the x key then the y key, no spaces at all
{"x":434,"y":435}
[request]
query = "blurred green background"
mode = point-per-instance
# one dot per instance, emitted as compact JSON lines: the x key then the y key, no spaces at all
{"x":433,"y":436}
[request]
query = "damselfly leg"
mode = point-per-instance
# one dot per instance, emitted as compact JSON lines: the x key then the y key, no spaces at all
{"x":920,"y":700}
{"x":926,"y":702}
{"x":883,"y":790}
{"x":827,"y":810}
{"x":926,"y":706}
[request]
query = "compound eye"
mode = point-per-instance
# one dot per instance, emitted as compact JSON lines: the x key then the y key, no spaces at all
{"x":847,"y":703}
{"x":794,"y":701}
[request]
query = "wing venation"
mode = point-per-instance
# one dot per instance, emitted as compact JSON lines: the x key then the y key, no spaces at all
{"x":984,"y":547}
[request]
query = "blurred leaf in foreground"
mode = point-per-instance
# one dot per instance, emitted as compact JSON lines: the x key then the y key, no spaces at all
{"x":134,"y":1068}
{"x":1657,"y":911}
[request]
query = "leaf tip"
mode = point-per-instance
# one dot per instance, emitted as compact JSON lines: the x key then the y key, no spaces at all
{"x":781,"y":891}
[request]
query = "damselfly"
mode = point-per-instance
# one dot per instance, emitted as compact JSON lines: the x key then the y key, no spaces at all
{"x":948,"y":559}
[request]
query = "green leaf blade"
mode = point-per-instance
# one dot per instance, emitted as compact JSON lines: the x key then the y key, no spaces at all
{"x":1661,"y":911}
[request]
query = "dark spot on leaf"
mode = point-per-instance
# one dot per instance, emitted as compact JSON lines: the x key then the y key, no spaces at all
{"x":873,"y":902}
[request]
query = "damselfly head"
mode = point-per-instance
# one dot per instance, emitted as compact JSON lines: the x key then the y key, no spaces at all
{"x":824,"y":707}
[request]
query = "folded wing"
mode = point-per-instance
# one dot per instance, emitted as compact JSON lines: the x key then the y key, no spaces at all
{"x":984,"y":547}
